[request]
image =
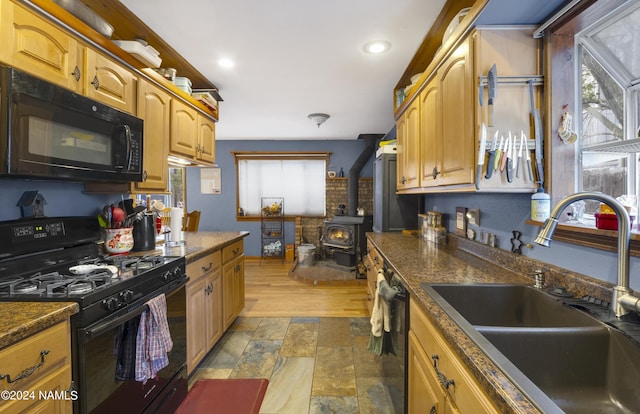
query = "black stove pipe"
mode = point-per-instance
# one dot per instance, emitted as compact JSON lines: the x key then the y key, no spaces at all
{"x":354,"y":172}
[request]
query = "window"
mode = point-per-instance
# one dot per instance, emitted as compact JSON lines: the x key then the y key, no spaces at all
{"x":609,"y":76}
{"x":297,"y":177}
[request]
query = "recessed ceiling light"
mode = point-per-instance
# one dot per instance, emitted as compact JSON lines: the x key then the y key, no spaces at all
{"x":225,"y":63}
{"x":377,"y":46}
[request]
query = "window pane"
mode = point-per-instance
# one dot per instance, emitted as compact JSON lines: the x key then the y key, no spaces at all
{"x":604,"y":172}
{"x":621,"y":37}
{"x":300,"y":182}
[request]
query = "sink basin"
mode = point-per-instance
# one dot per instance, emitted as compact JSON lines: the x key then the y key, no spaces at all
{"x":507,"y":305}
{"x":582,"y":370}
{"x":561,"y":358}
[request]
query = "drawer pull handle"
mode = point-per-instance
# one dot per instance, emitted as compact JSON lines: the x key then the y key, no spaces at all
{"x":96,"y":83}
{"x":433,"y":410}
{"x":236,"y":250}
{"x":25,"y":373}
{"x":207,"y":268}
{"x":76,"y":74}
{"x":446,"y":383}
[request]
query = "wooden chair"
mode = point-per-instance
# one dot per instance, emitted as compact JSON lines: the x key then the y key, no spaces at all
{"x":191,"y":221}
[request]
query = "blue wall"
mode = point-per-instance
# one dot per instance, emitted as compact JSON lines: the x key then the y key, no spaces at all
{"x":62,"y":198}
{"x":218,"y":211}
{"x":500,"y":214}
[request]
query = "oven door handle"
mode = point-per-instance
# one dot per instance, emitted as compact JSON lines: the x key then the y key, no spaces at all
{"x":118,"y":319}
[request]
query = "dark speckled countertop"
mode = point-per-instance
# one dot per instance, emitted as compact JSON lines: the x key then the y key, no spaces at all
{"x":198,"y":244}
{"x":462,"y":261}
{"x":19,"y":320}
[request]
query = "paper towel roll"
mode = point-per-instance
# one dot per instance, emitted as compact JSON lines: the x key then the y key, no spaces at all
{"x":176,"y":224}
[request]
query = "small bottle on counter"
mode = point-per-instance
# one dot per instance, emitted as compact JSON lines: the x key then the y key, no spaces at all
{"x":540,"y":205}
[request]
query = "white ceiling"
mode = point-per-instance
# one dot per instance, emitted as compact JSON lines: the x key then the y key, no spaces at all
{"x":295,"y":57}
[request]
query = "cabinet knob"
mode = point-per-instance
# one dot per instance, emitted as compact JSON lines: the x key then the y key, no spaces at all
{"x":145,"y":175}
{"x":76,"y":74}
{"x":403,"y":180}
{"x":95,"y":82}
{"x":435,"y":172}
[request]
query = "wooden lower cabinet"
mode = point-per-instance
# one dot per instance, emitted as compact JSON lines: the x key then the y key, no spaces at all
{"x":204,"y":307}
{"x":438,"y":381}
{"x":232,"y":282}
{"x":52,"y":377}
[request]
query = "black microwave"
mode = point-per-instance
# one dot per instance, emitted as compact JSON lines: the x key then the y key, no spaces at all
{"x":48,"y":132}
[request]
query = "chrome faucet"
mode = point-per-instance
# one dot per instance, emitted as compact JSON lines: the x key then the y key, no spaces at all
{"x":622,"y":302}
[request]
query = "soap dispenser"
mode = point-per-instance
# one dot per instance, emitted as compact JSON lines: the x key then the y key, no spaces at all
{"x":540,"y":205}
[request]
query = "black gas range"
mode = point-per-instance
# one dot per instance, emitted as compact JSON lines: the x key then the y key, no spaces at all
{"x":60,"y":259}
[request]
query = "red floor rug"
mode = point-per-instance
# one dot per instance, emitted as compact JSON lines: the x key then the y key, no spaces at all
{"x":224,"y":396}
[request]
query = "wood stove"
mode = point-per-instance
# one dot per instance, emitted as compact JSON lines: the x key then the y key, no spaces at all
{"x":344,"y":236}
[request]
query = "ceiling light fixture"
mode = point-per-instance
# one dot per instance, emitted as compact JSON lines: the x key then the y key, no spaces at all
{"x":377,"y":46}
{"x":318,"y":118}
{"x":225,"y":63}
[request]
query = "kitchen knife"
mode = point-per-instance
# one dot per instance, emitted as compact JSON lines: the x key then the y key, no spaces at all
{"x":538,"y":135}
{"x":496,"y":163}
{"x":528,"y":157}
{"x":522,"y":144}
{"x":503,"y":161}
{"x":510,"y":158}
{"x":492,"y":156}
{"x":492,"y":84}
{"x":481,"y":151}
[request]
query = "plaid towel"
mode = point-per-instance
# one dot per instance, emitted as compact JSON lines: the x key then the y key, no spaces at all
{"x":153,"y":341}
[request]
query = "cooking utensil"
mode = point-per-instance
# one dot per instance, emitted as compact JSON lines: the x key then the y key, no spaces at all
{"x":510,"y":158}
{"x":505,"y":151}
{"x":496,"y":163}
{"x":538,"y":134}
{"x":522,"y":144}
{"x":492,"y":156}
{"x":528,"y":157}
{"x":88,"y":268}
{"x":492,"y":84}
{"x":481,"y":151}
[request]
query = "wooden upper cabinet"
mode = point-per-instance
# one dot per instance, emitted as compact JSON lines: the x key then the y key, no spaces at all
{"x":430,"y":131}
{"x":457,"y":134}
{"x":108,"y":82}
{"x":206,"y":150}
{"x":154,"y":107}
{"x":408,"y":147}
{"x":33,"y":44}
{"x":184,"y":130}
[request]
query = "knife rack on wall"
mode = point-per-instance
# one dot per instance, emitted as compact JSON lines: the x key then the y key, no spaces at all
{"x":538,"y":80}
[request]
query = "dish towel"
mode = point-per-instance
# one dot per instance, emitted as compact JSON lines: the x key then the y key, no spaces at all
{"x":379,"y":340}
{"x":124,"y":350}
{"x":153,"y":341}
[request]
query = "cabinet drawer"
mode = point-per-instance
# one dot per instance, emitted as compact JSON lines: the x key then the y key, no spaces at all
{"x":374,"y":254}
{"x":204,"y":265}
{"x":27,"y":353}
{"x":232,"y":251}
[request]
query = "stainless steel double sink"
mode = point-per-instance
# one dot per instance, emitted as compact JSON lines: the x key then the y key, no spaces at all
{"x":562,"y":358}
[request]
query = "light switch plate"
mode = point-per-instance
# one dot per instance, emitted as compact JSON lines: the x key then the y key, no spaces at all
{"x":461,"y":221}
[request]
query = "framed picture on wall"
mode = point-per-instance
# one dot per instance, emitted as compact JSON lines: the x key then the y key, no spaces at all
{"x":210,"y":181}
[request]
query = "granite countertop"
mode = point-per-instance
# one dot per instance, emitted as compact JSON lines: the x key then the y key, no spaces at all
{"x":416,"y":261}
{"x":197,"y":244}
{"x":22,"y":319}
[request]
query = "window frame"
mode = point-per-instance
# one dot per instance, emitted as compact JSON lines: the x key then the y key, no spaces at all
{"x":280,"y":155}
{"x":561,"y":90}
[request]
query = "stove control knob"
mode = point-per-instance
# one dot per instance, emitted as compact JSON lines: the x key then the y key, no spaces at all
{"x":126,"y":296}
{"x":177,"y":272}
{"x":166,"y":276}
{"x":110,"y":304}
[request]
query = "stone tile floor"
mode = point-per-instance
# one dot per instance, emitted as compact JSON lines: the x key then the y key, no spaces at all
{"x":314,"y":365}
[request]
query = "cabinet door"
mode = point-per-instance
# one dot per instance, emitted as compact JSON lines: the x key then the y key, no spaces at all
{"x":457,"y":142}
{"x":196,"y":322}
{"x":213,"y":308}
{"x":228,"y":289}
{"x":184,"y":133}
{"x":408,"y":147}
{"x":422,"y":395}
{"x":32,"y":44}
{"x":108,"y":82}
{"x":154,"y":109}
{"x":206,"y":139}
{"x":430,"y":133}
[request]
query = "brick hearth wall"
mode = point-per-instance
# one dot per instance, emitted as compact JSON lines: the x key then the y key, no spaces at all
{"x":309,"y":230}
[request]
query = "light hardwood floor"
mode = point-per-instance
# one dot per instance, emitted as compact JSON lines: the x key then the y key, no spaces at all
{"x":270,"y":292}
